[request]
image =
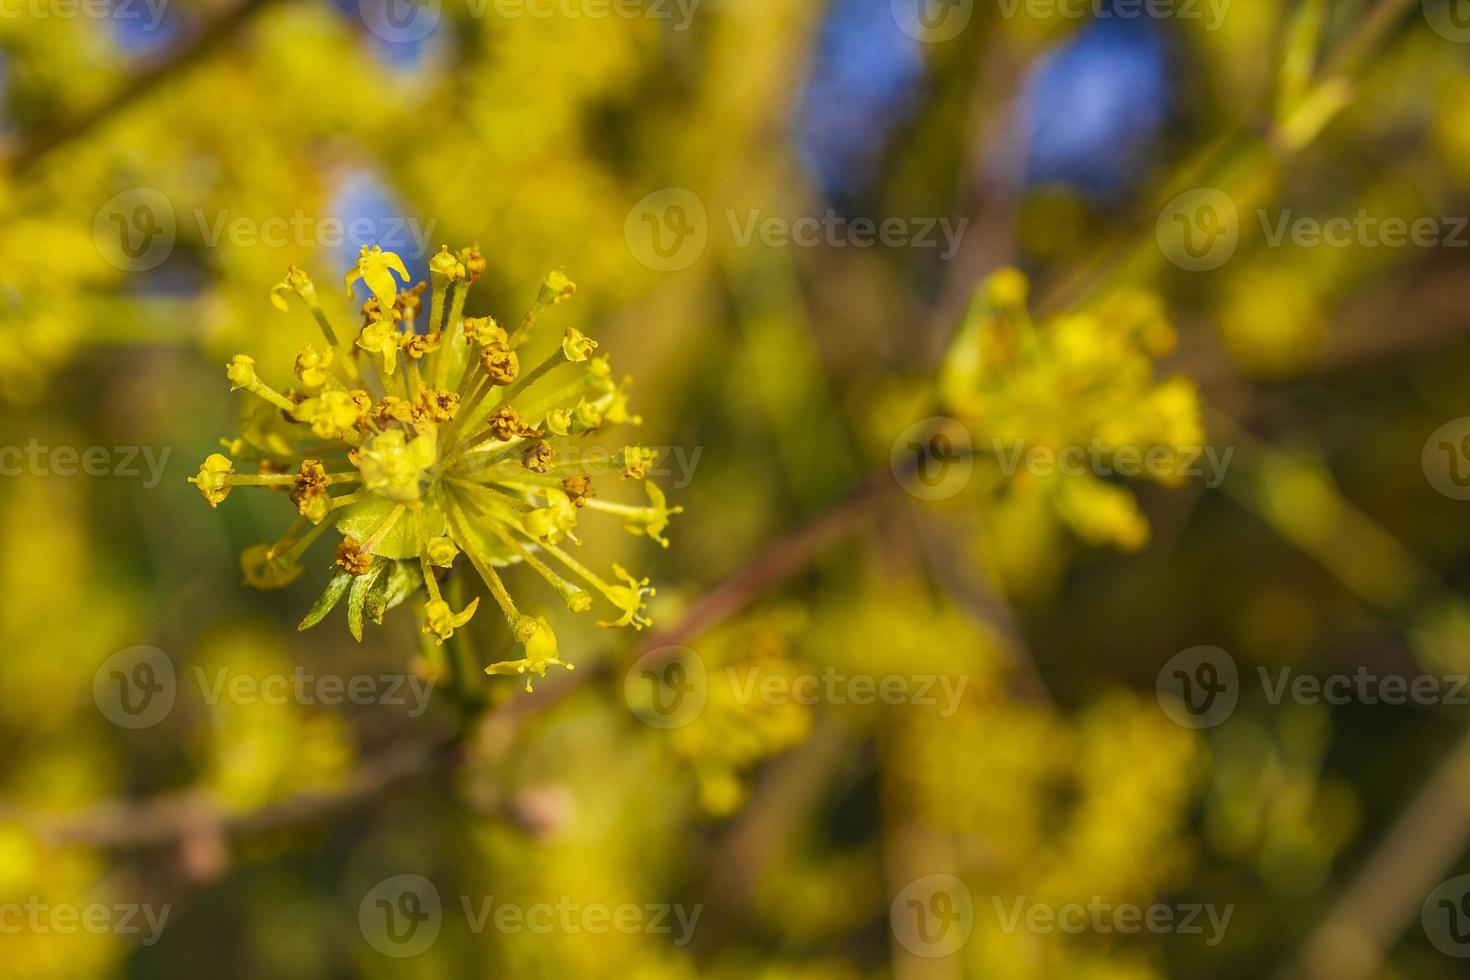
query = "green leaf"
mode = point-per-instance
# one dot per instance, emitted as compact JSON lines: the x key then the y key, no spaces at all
{"x":336,"y":589}
{"x":377,"y":597}
{"x":403,"y":582}
{"x":358,"y":599}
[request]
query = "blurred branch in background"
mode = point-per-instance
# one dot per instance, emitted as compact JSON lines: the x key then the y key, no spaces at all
{"x":1385,"y":895}
{"x":32,"y":148}
{"x":177,"y":819}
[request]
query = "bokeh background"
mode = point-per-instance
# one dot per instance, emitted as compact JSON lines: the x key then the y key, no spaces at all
{"x":164,"y":164}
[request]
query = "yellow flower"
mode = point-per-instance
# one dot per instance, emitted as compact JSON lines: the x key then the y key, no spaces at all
{"x":393,"y":466}
{"x":312,"y":366}
{"x":380,"y":339}
{"x":211,"y":479}
{"x":436,"y":463}
{"x":241,"y":372}
{"x":629,"y":598}
{"x":1081,"y":382}
{"x":485,"y":332}
{"x":577,"y":346}
{"x":442,"y":552}
{"x":650,"y":520}
{"x":444,"y":265}
{"x":332,"y":414}
{"x":309,"y":493}
{"x":376,"y":267}
{"x":296,"y":282}
{"x":441,"y":621}
{"x":557,"y":520}
{"x":636,"y":461}
{"x":539,"y":645}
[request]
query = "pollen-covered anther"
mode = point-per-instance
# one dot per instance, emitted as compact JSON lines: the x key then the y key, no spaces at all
{"x":416,"y":345}
{"x":410,"y":301}
{"x":391,"y":409}
{"x":538,"y":457}
{"x":436,"y":405}
{"x":352,"y":559}
{"x":372,"y":312}
{"x":309,"y":493}
{"x":579,"y":489}
{"x":506,"y":424}
{"x":636,"y":460}
{"x":474,"y":263}
{"x":501,"y":365}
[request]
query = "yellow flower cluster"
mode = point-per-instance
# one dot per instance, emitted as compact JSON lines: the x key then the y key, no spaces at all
{"x":440,"y":444}
{"x":1081,"y":381}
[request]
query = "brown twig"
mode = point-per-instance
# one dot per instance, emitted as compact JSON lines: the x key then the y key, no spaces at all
{"x":1373,"y":911}
{"x":35,"y":146}
{"x":178,"y":817}
{"x":175,"y":817}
